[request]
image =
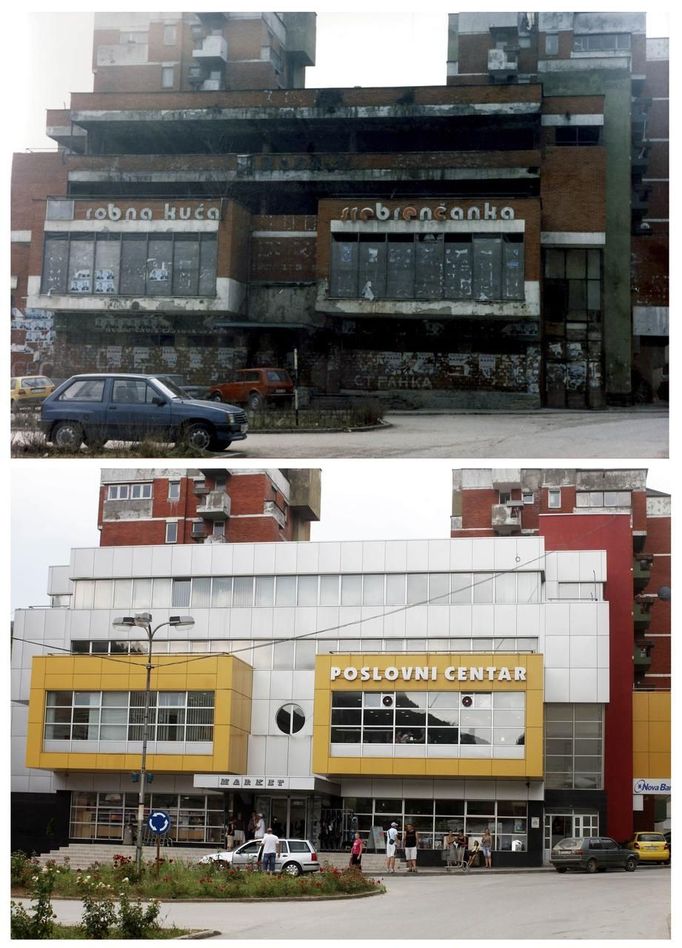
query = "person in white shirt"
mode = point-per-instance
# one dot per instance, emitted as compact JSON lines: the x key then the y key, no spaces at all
{"x":260,"y":827}
{"x":270,"y":848}
{"x":391,"y":843}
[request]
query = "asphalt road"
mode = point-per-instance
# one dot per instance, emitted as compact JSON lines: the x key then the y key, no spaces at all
{"x":523,"y":905}
{"x":619,"y":433}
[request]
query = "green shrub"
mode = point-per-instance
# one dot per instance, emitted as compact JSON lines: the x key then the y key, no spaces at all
{"x":23,"y":867}
{"x":99,"y":913}
{"x":134,"y":921}
{"x":40,"y":924}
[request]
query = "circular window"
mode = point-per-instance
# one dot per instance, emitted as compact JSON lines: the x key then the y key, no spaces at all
{"x":290,"y":718}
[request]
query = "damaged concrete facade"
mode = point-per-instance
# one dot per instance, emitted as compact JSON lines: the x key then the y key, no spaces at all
{"x":436,"y":245}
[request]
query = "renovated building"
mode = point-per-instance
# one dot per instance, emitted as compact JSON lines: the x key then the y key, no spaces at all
{"x":332,"y":686}
{"x":462,"y":244}
{"x":590,"y":508}
{"x":146,"y":506}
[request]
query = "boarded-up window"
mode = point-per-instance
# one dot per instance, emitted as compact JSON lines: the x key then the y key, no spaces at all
{"x":55,"y":264}
{"x":458,"y":282}
{"x":512,"y":270}
{"x":130,"y":264}
{"x":372,"y":268}
{"x":487,"y":268}
{"x":428,"y":266}
{"x":428,"y":284}
{"x":133,"y":265}
{"x":344,"y":274}
{"x":400,"y":268}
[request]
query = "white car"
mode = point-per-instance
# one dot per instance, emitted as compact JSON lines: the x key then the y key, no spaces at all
{"x":295,"y":856}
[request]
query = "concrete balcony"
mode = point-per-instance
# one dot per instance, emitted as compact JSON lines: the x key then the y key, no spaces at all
{"x":641,"y":616}
{"x":213,"y":49}
{"x":214,"y":506}
{"x":642,"y":658}
{"x":506,"y":518}
{"x":641,"y":572}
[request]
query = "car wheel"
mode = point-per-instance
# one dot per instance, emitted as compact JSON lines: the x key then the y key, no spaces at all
{"x":67,"y":434}
{"x":215,"y":397}
{"x":560,"y":868}
{"x":255,"y":401}
{"x":630,"y":865}
{"x":592,"y":865}
{"x":291,"y":869}
{"x":199,"y":436}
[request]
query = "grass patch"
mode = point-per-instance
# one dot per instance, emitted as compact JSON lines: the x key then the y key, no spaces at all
{"x":78,"y":933}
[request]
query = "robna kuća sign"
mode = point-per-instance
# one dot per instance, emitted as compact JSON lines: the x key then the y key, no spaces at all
{"x":428,"y":673}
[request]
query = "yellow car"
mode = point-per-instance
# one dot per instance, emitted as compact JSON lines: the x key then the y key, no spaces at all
{"x":652,"y":847}
{"x":29,"y":390}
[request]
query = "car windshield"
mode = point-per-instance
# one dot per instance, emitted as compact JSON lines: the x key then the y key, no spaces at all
{"x":274,"y":375}
{"x":650,"y":837}
{"x":569,"y":843}
{"x":169,"y":387}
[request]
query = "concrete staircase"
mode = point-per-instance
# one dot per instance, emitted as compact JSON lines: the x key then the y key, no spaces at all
{"x":82,"y":855}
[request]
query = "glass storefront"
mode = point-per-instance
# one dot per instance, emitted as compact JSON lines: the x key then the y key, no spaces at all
{"x":507,"y":820}
{"x":195,"y":818}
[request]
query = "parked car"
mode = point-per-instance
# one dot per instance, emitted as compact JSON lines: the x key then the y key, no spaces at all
{"x":96,"y":408}
{"x":255,"y":387}
{"x":592,"y":853}
{"x":29,"y":390}
{"x":193,"y":391}
{"x":651,"y":847}
{"x":295,"y":856}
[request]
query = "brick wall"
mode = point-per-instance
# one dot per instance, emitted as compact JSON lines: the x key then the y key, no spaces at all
{"x":573,"y":188}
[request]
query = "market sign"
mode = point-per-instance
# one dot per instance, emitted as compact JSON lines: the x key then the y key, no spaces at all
{"x":486,"y":211}
{"x":252,"y":782}
{"x":642,"y":785}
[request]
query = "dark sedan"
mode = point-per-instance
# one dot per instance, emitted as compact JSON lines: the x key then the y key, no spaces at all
{"x":96,"y":408}
{"x":592,"y":854}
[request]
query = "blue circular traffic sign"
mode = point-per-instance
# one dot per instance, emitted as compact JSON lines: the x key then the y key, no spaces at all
{"x":158,"y":821}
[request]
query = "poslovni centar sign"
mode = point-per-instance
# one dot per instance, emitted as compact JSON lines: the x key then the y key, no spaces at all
{"x":400,"y":673}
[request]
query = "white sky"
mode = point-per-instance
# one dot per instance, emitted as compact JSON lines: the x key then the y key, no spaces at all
{"x":55,"y":506}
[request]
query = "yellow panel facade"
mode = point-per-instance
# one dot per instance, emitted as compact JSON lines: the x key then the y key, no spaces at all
{"x":227,"y":677}
{"x":651,"y":715}
{"x":380,"y":672}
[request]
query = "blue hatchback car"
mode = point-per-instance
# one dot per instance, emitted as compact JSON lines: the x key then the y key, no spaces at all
{"x":96,"y":408}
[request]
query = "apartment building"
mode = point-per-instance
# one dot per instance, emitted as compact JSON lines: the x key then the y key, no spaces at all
{"x":570,"y":508}
{"x":147,"y":506}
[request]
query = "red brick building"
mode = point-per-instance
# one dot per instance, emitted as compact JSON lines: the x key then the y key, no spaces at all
{"x":149,"y":506}
{"x":461,"y":245}
{"x":511,"y":502}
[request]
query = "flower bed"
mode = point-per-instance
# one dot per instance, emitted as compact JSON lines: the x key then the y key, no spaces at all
{"x":175,"y":879}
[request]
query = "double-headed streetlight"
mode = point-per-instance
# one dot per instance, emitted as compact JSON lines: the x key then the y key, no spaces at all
{"x":144,"y":621}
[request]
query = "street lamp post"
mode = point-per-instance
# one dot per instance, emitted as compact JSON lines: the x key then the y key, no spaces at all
{"x":144,"y":621}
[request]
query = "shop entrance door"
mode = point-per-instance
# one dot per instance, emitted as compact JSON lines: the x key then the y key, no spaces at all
{"x":561,"y":825}
{"x":286,"y":815}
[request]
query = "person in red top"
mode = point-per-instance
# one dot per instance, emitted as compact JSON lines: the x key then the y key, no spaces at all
{"x":356,"y":852}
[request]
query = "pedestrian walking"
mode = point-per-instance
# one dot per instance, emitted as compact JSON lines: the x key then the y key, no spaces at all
{"x":259,"y":829}
{"x":270,"y":850}
{"x":487,"y":847}
{"x":251,"y":825}
{"x":391,"y":844}
{"x":230,"y":828}
{"x":411,"y":842}
{"x":356,"y":852}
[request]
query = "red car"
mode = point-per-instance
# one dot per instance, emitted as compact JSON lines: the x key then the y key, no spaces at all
{"x":255,"y":387}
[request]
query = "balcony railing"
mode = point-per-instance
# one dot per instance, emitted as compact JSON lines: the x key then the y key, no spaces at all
{"x":642,"y":658}
{"x":641,"y":572}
